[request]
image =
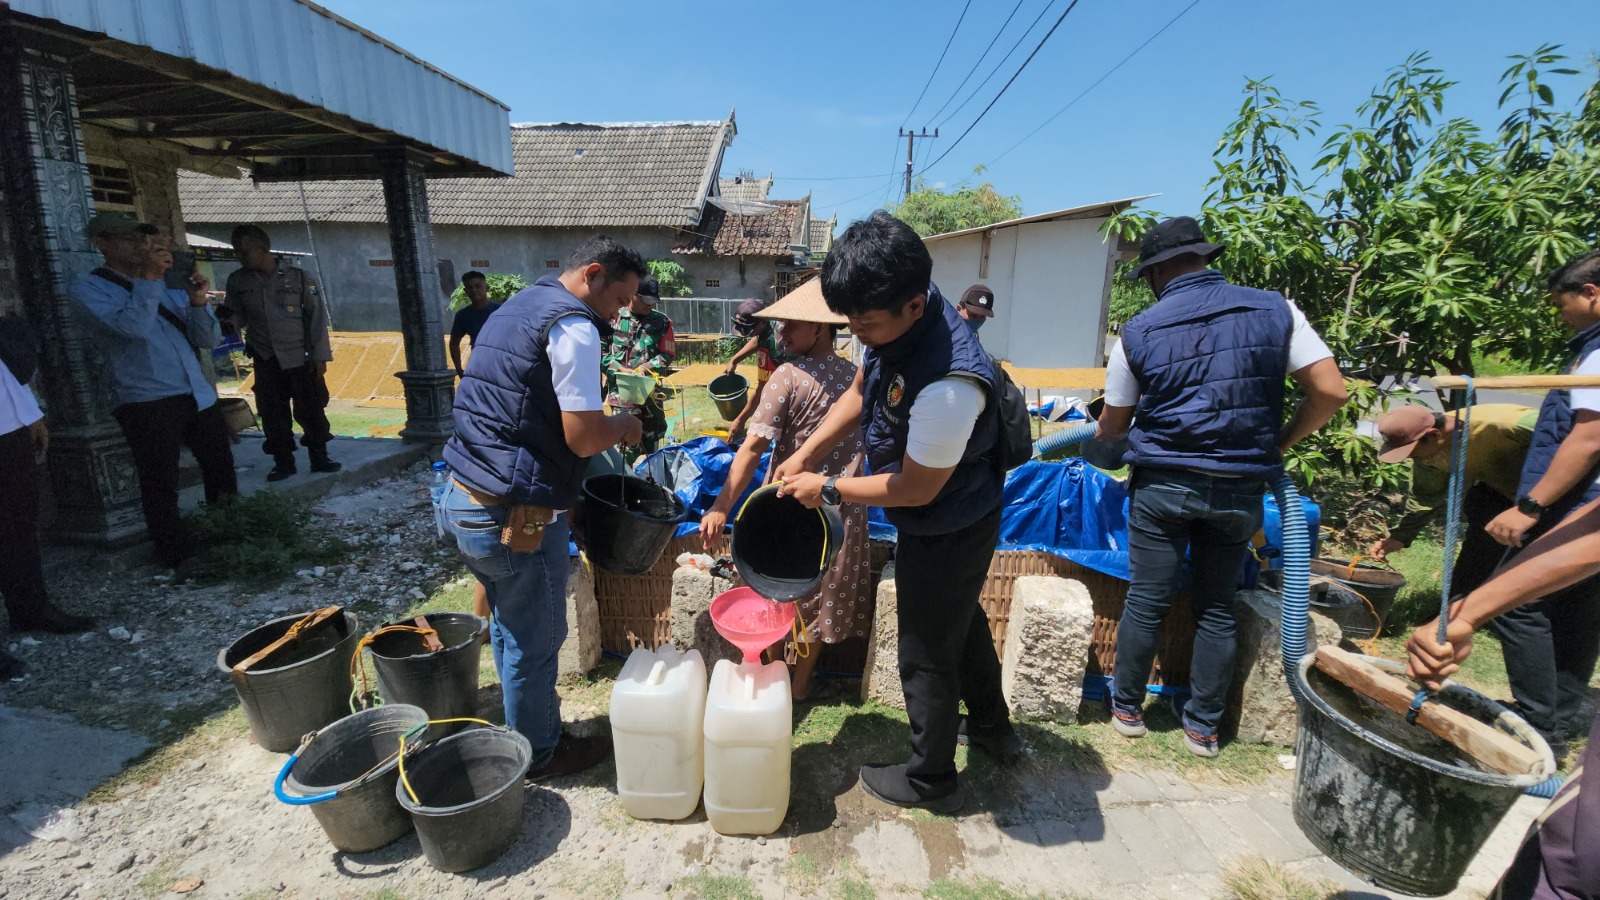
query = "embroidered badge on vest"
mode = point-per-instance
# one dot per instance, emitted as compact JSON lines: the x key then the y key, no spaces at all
{"x":897,"y":391}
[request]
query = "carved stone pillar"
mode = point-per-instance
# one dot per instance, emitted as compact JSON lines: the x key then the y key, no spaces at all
{"x":48,"y":205}
{"x":429,"y":381}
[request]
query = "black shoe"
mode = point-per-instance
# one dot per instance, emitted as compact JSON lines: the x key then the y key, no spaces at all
{"x":1001,"y":742}
{"x":52,"y":620}
{"x":320,"y":461}
{"x":892,"y":785}
{"x":11,"y":667}
{"x":283,"y":467}
{"x":573,"y":755}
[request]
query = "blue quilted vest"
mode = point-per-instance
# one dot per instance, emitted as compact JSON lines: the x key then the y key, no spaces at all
{"x":509,"y":440}
{"x":1555,"y":423}
{"x":939,"y":345}
{"x":1210,"y":359}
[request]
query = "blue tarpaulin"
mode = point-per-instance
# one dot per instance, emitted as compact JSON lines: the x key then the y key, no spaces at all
{"x":1068,"y":508}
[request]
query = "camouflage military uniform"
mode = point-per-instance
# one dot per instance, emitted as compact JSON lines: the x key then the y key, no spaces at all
{"x":641,"y":341}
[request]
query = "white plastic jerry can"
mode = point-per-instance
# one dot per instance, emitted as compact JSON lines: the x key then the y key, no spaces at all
{"x":657,"y":706}
{"x":748,"y":732}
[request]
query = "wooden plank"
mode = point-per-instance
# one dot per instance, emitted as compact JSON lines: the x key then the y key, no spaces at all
{"x":1488,"y":745}
{"x":1514,"y":382}
{"x":430,"y":638}
{"x":298,"y":630}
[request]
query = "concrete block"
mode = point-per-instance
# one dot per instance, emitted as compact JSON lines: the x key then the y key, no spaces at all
{"x":693,"y":589}
{"x":1260,"y":708}
{"x":580,"y":652}
{"x":1047,"y":647}
{"x":880,"y":680}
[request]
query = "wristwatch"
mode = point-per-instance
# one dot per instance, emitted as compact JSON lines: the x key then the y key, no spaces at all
{"x":830,"y":492}
{"x":1530,"y":507}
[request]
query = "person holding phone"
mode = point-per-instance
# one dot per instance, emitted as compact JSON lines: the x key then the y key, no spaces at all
{"x":150,"y":335}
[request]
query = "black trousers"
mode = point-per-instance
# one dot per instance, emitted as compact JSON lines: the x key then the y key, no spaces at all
{"x":21,"y":567}
{"x":1550,"y":648}
{"x":946,"y":652}
{"x":156,"y":430}
{"x":1478,"y":554}
{"x":284,"y":396}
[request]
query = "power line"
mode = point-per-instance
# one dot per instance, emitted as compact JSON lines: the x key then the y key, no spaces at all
{"x":1109,"y":72}
{"x":999,"y":65}
{"x":981,"y":58}
{"x":936,"y":65}
{"x":1070,"y":7}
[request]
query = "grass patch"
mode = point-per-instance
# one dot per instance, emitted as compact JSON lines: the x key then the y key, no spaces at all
{"x":258,"y":540}
{"x":1422,"y":564}
{"x":983,"y":889}
{"x":717,"y":887}
{"x":1254,"y":878}
{"x":359,"y":421}
{"x":158,"y":881}
{"x":606,"y":883}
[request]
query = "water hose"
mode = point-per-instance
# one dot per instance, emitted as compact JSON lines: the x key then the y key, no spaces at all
{"x":1066,"y":437}
{"x":1295,"y":613}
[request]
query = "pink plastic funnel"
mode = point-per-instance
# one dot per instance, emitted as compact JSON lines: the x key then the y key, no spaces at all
{"x":750,"y":621}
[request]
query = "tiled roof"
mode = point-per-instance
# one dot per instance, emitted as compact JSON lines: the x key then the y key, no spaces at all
{"x":567,"y":175}
{"x":726,"y":234}
{"x":821,"y":238}
{"x":744,"y":188}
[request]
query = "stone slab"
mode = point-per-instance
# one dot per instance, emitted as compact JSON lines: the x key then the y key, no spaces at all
{"x":1260,"y":708}
{"x":880,"y":679}
{"x":1047,"y":650}
{"x":693,"y":589}
{"x":580,"y":652}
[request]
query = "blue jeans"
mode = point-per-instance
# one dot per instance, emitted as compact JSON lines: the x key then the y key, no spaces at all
{"x":1173,"y":513}
{"x":528,"y":596}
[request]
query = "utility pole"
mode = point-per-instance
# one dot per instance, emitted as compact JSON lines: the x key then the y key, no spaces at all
{"x":911,"y":137}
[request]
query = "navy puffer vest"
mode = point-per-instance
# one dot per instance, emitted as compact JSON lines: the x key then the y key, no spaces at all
{"x":1210,"y":359}
{"x":509,"y":440}
{"x":939,"y":345}
{"x":1555,"y":423}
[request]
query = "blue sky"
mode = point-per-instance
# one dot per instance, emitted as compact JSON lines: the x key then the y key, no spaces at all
{"x":821,"y":87}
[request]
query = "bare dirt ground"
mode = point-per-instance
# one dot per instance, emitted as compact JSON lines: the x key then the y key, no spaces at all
{"x":196,"y":814}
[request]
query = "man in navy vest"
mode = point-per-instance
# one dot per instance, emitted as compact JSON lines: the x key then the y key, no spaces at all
{"x":924,"y":396}
{"x":529,"y":413}
{"x":1550,"y":646}
{"x":1205,"y":369}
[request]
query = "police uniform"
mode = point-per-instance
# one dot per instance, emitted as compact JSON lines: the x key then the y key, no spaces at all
{"x":285,"y":322}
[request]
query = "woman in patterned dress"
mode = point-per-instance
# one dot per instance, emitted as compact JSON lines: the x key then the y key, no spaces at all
{"x":795,"y":401}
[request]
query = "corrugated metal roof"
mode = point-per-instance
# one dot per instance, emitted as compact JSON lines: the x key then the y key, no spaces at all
{"x":301,"y":50}
{"x":569,"y":175}
{"x":1092,"y":211}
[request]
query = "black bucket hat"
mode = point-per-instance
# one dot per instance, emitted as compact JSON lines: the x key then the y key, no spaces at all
{"x":1172,"y":237}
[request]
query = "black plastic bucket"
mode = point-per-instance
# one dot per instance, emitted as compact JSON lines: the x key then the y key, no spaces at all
{"x":627,"y":522}
{"x":1390,"y":801}
{"x":444,"y":682}
{"x":307,"y":687}
{"x":355,"y":757}
{"x":1379,"y":587}
{"x":781,"y":549}
{"x":1347,"y":610}
{"x":469,"y":789}
{"x":729,"y":393}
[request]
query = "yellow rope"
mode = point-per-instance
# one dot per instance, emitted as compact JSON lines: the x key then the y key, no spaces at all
{"x":405,"y":781}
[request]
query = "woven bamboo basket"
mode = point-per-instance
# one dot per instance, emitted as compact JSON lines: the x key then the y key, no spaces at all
{"x":636,"y":610}
{"x":1107,"y":593}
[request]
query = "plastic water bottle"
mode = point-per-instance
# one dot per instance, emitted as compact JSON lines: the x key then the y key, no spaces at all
{"x":441,"y":481}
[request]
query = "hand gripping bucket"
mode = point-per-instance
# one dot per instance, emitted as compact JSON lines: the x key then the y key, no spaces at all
{"x":1389,"y":801}
{"x":347,"y":772}
{"x":729,"y":393}
{"x":307,"y":685}
{"x":469,"y":796}
{"x":442,"y":682}
{"x":782,"y":549}
{"x":627,"y":522}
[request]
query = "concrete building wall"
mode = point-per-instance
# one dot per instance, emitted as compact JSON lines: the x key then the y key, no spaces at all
{"x":360,"y":287}
{"x":1051,"y":282}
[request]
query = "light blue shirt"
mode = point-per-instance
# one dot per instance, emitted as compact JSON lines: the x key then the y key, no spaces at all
{"x":146,"y":357}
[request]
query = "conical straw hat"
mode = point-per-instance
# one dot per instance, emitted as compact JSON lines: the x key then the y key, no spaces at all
{"x":803,"y":304}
